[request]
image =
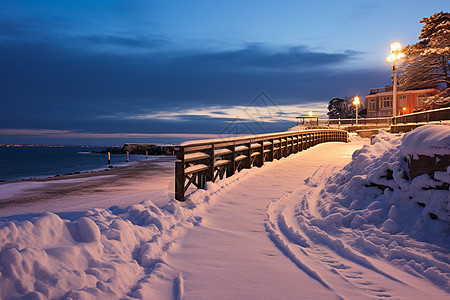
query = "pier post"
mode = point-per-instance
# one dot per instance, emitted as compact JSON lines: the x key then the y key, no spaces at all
{"x":128,"y":156}
{"x":180,"y":179}
{"x":231,"y":169}
{"x":109,"y":158}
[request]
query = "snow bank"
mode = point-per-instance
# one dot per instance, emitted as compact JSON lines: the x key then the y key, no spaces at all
{"x":427,"y":140}
{"x":374,"y":206}
{"x":100,"y":254}
{"x":105,"y":253}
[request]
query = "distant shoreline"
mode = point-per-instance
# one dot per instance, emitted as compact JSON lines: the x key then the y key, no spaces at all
{"x":125,"y":184}
{"x":63,"y":175}
{"x":80,"y":174}
{"x":142,"y":149}
{"x":83,"y":174}
{"x":56,"y":146}
{"x":26,"y":162}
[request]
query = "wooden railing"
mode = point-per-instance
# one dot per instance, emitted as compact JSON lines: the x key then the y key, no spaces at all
{"x":435,"y":115}
{"x":361,"y":121}
{"x":208,"y":160}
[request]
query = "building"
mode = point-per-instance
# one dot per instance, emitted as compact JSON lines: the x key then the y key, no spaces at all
{"x":379,"y":101}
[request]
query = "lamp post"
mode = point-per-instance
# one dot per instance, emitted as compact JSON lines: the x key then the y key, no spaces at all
{"x":395,"y":60}
{"x":356,"y":103}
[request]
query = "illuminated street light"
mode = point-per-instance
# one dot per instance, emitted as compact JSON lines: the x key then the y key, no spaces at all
{"x":396,"y":47}
{"x":395,"y":60}
{"x":356,"y":103}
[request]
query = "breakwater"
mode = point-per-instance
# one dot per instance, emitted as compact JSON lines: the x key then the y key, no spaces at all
{"x":150,"y":149}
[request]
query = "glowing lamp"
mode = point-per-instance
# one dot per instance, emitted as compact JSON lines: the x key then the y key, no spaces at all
{"x":395,"y":60}
{"x":356,"y":102}
{"x":396,"y":47}
{"x":391,"y":57}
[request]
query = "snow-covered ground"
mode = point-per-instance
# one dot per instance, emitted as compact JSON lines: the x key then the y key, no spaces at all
{"x":73,"y":194}
{"x":327,"y":223}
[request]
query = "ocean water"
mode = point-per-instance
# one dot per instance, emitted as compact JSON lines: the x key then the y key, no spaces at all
{"x":33,"y":162}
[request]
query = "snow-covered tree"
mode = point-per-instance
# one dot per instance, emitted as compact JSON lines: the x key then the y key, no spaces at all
{"x":440,"y":100}
{"x":427,"y":62}
{"x":341,"y":108}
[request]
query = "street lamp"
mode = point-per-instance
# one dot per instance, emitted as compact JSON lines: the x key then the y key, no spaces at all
{"x":395,"y":60}
{"x":356,"y":103}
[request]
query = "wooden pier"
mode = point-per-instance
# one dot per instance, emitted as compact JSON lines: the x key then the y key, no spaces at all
{"x":208,"y":160}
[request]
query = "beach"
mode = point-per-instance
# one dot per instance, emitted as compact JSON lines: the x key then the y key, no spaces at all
{"x":125,"y":184}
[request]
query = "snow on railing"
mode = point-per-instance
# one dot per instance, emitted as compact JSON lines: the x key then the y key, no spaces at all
{"x":208,"y":160}
{"x":435,"y":115}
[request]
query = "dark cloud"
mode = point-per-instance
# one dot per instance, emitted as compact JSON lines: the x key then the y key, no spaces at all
{"x":8,"y":30}
{"x":219,"y":112}
{"x":258,"y":57}
{"x":48,"y":85}
{"x":137,"y":42}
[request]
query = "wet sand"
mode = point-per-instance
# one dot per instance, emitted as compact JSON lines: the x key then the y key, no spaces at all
{"x":123,"y":185}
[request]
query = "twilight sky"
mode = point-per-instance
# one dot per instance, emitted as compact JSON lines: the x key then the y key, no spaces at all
{"x":110,"y":71}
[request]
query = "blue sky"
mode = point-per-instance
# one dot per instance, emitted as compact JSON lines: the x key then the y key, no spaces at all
{"x":108,"y":72}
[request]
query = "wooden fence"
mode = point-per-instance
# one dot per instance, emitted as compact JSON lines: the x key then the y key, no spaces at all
{"x":435,"y":115}
{"x":409,"y":122}
{"x":361,"y":121}
{"x":208,"y":160}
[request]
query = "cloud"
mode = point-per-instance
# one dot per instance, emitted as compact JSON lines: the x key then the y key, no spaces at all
{"x":266,"y":113}
{"x":9,"y":30}
{"x":127,"y":41}
{"x":260,"y":57}
{"x":51,"y":85}
{"x":50,"y":133}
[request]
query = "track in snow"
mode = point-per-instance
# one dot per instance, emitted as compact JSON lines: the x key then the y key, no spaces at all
{"x":327,"y":258}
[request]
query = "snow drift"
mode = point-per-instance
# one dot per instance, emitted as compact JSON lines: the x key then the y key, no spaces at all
{"x":105,"y":252}
{"x":373,"y":209}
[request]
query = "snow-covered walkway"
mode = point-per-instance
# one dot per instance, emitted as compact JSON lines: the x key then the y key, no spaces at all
{"x":230,"y":255}
{"x":245,"y":247}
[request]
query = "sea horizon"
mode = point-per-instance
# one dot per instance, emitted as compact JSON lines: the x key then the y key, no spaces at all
{"x":78,"y":145}
{"x":21,"y":162}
